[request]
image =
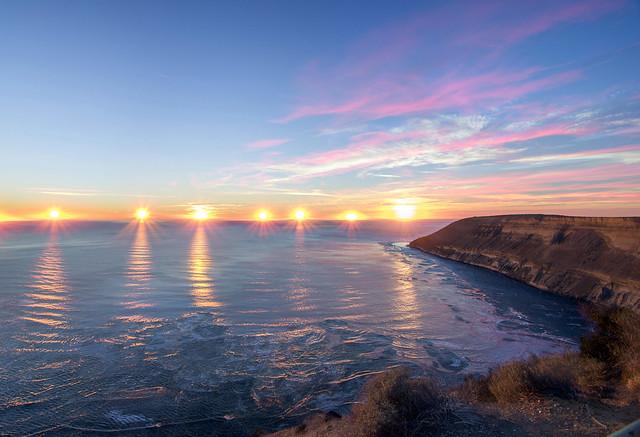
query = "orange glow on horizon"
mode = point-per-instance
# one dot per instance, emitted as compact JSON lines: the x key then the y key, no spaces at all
{"x":392,"y":209}
{"x":5,"y":217}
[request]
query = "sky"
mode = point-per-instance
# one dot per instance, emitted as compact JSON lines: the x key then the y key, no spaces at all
{"x":452,"y":108}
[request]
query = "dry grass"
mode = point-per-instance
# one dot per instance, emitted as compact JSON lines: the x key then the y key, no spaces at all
{"x":616,"y":343}
{"x":510,"y":383}
{"x":568,"y":375}
{"x":394,"y":404}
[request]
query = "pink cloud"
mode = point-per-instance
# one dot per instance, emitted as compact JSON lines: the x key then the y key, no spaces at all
{"x":472,"y":91}
{"x":605,"y":151}
{"x":266,"y":143}
{"x":523,"y":181}
{"x":449,"y":93}
{"x":506,"y":35}
{"x":381,"y":149}
{"x":500,"y":139}
{"x":361,"y":144}
{"x":371,"y":145}
{"x":311,"y":110}
{"x":399,"y":69}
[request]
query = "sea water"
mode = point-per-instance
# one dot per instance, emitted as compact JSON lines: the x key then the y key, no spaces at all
{"x":228,"y":327}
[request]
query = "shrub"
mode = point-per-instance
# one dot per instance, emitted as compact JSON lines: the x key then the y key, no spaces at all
{"x":395,"y":404}
{"x":510,"y":382}
{"x":555,"y":374}
{"x":631,"y":389}
{"x":567,"y":375}
{"x":590,"y":377}
{"x":616,"y":342}
{"x":474,"y":388}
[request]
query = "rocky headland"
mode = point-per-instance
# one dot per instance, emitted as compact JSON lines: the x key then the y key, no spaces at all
{"x":596,"y":259}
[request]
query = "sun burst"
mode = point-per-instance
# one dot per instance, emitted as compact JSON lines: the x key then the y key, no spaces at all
{"x":142,"y":214}
{"x":200,"y":214}
{"x":263,"y":215}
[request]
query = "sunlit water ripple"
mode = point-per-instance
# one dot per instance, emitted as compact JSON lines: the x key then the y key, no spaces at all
{"x":229,"y":327}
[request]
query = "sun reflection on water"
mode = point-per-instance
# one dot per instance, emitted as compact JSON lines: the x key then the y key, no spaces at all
{"x":138,"y":272}
{"x":48,"y":297}
{"x":200,"y":270}
{"x":299,"y":291}
{"x":405,"y":303}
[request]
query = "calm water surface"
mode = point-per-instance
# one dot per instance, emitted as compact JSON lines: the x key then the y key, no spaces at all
{"x":229,"y":327}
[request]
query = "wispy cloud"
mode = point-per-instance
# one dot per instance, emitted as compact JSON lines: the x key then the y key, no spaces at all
{"x":624,"y":154}
{"x":81,"y":192}
{"x":71,"y":192}
{"x":266,"y":143}
{"x":398,"y":70}
{"x":440,"y":141}
{"x":407,"y":98}
{"x":542,"y":20}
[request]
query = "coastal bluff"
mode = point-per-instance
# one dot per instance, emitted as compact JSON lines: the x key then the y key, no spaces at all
{"x":596,"y":259}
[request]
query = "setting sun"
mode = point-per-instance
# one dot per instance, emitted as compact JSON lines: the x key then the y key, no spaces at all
{"x":405,"y":212}
{"x":142,"y":214}
{"x":54,"y":213}
{"x":263,"y":215}
{"x":200,"y":214}
{"x":300,"y":214}
{"x":351,"y":216}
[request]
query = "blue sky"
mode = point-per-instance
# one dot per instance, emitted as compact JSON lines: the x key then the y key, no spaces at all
{"x":455,"y":108}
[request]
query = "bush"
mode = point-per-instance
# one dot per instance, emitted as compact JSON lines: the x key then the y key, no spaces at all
{"x":567,"y":375}
{"x":555,"y":374}
{"x":631,"y":388}
{"x":474,"y":388}
{"x":395,"y":404}
{"x":590,"y":377}
{"x":510,"y":382}
{"x":616,"y":343}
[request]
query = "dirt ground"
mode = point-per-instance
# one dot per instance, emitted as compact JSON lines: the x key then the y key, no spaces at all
{"x":541,"y":417}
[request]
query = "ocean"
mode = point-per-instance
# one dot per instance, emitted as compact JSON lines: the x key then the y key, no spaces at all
{"x":174,"y":328}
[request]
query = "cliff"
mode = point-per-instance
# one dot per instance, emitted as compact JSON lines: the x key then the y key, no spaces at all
{"x":592,"y":258}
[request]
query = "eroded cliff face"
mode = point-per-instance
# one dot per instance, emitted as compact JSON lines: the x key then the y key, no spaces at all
{"x":591,"y":258}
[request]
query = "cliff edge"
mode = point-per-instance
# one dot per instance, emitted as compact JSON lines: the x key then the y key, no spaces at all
{"x":591,"y":258}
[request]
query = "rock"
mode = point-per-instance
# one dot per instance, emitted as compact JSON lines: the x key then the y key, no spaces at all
{"x":591,"y":258}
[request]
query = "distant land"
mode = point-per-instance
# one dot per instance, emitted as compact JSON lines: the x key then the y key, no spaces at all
{"x":596,"y":259}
